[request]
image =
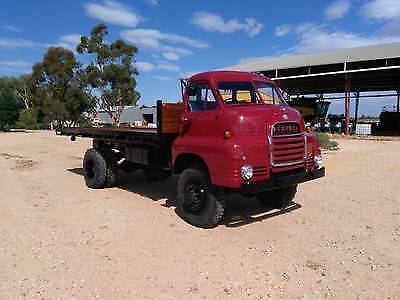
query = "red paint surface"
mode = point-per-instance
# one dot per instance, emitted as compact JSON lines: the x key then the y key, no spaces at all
{"x":202,"y":133}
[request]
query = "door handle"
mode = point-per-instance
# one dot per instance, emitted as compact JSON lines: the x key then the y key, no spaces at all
{"x":185,"y":120}
{"x":185,"y":123}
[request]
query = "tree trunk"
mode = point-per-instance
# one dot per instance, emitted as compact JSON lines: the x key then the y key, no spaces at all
{"x":23,"y":95}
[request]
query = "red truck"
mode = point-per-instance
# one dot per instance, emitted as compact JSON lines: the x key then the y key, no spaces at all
{"x":232,"y":133}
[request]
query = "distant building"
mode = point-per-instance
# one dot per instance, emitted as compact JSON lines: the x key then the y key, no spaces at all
{"x":130,"y":115}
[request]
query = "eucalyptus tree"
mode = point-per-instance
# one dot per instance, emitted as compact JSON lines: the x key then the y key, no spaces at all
{"x":109,"y":76}
{"x":58,"y":95}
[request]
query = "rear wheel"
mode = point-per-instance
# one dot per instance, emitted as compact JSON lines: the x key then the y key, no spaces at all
{"x":196,"y":202}
{"x":111,"y":166}
{"x":94,"y":169}
{"x":279,"y":198}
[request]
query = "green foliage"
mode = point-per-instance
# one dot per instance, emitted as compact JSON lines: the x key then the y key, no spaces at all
{"x":326,"y":143}
{"x":9,"y":102}
{"x":110,"y":76}
{"x":27,"y":119}
{"x":58,"y":96}
{"x":61,"y":90}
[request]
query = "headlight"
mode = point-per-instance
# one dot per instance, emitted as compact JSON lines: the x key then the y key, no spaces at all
{"x":246,"y":172}
{"x":318,"y":161}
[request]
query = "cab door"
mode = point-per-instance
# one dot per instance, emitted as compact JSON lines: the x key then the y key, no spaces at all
{"x":199,"y":123}
{"x":200,"y":118}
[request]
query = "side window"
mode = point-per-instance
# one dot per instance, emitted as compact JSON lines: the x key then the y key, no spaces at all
{"x":268,"y":93}
{"x":211,"y":103}
{"x":201,"y":98}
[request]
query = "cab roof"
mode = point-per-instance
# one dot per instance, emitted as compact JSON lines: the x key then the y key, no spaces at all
{"x":217,"y":76}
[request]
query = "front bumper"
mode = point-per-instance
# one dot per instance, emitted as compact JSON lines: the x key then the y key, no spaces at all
{"x":251,"y":188}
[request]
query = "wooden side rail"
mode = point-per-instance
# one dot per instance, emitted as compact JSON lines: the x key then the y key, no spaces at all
{"x":168,"y":115}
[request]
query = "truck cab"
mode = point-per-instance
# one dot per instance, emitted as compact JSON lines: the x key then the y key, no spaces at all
{"x":238,"y":131}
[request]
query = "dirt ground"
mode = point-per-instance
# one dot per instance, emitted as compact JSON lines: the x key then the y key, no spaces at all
{"x":59,"y":239}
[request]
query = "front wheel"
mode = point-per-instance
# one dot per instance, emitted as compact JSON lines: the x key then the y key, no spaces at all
{"x":279,"y":198}
{"x":196,"y":203}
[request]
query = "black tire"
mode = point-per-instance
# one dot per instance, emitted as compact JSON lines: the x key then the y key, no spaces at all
{"x":112,"y":167}
{"x":94,"y":169}
{"x":196,"y":203}
{"x":155,"y":173}
{"x":280,"y":198}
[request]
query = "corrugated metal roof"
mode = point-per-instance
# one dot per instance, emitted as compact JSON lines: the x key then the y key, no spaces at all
{"x":323,"y":58}
{"x":130,"y":114}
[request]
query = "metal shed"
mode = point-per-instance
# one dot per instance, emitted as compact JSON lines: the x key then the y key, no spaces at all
{"x":131,"y":114}
{"x":354,"y":70}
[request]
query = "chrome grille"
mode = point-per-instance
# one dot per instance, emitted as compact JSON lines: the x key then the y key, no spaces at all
{"x":287,"y":150}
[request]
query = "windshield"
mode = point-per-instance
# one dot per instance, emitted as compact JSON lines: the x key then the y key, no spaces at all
{"x":237,"y":92}
{"x":243,"y":92}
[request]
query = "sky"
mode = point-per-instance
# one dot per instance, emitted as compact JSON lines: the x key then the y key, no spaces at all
{"x":179,"y":38}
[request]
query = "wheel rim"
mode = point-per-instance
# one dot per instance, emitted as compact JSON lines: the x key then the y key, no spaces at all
{"x":195,"y":197}
{"x":90,"y":169}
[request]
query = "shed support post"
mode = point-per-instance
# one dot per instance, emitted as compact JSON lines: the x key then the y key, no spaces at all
{"x":398,"y":108}
{"x":356,"y":112}
{"x":347,"y":107}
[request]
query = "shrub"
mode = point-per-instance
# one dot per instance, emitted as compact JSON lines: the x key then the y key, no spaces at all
{"x":27,"y":119}
{"x":8,"y":109}
{"x":325,"y":142}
